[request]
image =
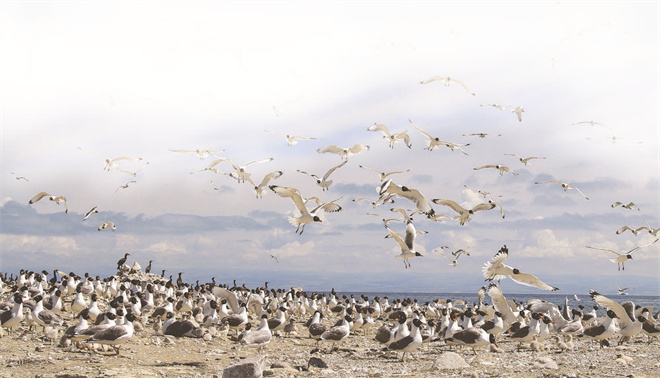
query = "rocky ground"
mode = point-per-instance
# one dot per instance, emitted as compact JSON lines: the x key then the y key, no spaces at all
{"x":26,"y":354}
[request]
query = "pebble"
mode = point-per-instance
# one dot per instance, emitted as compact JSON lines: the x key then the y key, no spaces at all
{"x":450,"y":360}
{"x":545,"y":363}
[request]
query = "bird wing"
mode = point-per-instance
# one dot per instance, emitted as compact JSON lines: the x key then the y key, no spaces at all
{"x":442,"y":253}
{"x":500,"y":303}
{"x":379,"y":127}
{"x":331,"y":149}
{"x":411,"y":234}
{"x":398,"y":239}
{"x":421,"y":131}
{"x":230,"y":296}
{"x":432,"y":79}
{"x":453,"y":205}
{"x":329,"y":172}
{"x":462,"y":85}
{"x":309,"y":174}
{"x":274,"y":132}
{"x":531,"y":280}
{"x":624,"y":228}
{"x":624,"y":319}
{"x":258,"y":161}
{"x":514,"y":155}
{"x":642,"y":246}
{"x":406,"y":138}
{"x":485,"y":166}
{"x":291,"y":193}
{"x":357,"y":148}
{"x":483,"y":206}
{"x":92,"y":152}
{"x":418,"y":199}
{"x":395,"y":172}
{"x":131,"y":158}
{"x":406,"y":217}
{"x":38,"y":197}
{"x":541,"y":182}
{"x":605,"y":249}
{"x":579,"y":191}
{"x":271,"y":176}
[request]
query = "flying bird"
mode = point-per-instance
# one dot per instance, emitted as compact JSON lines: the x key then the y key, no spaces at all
{"x":432,"y":141}
{"x":564,"y":185}
{"x":592,"y":123}
{"x":499,"y":167}
{"x":134,"y":174}
{"x":110,"y":163}
{"x":324,"y":183}
{"x":304,"y":216}
{"x":525,"y":160}
{"x":391,"y":138}
{"x":290,"y":139}
{"x":623,"y":257}
{"x":343,"y":153}
{"x":383,"y":175}
{"x":621,"y":291}
{"x":629,"y":206}
{"x":107,"y":226}
{"x":56,"y":199}
{"x":447,"y":80}
{"x":125,"y":186}
{"x":519,"y":111}
{"x":497,"y":270}
{"x":407,"y":245}
{"x":240,"y":173}
{"x":276,"y":259}
{"x":413,"y":195}
{"x":94,"y":210}
{"x":481,"y":135}
{"x":483,"y":192}
{"x":19,"y":177}
{"x":452,"y":262}
{"x":496,"y":106}
{"x":463,"y":214}
{"x":202,"y":154}
{"x":261,"y":188}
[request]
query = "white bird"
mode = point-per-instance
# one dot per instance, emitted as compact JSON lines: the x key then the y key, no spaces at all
{"x":107,"y":226}
{"x":499,"y":167}
{"x":481,"y":135}
{"x":498,"y":205}
{"x":57,"y":200}
{"x":432,"y":141}
{"x":497,"y":270}
{"x":324,"y":183}
{"x":134,"y":174}
{"x":452,"y":262}
{"x":483,"y":192}
{"x":519,"y":111}
{"x":525,"y":160}
{"x":290,"y":139}
{"x":383,"y":175}
{"x":496,"y":106}
{"x":343,"y":153}
{"x":651,"y":230}
{"x":261,"y":188}
{"x":125,"y":186}
{"x":447,"y":80}
{"x":94,"y":210}
{"x":19,"y":177}
{"x":623,"y":257}
{"x":592,"y":123}
{"x":403,"y":191}
{"x":628,"y":327}
{"x":110,"y":163}
{"x":629,"y":206}
{"x":463,"y":214}
{"x":240,"y":173}
{"x":304,"y":216}
{"x":202,"y":154}
{"x":408,"y":245}
{"x":564,"y":185}
{"x":621,"y":291}
{"x":391,"y":138}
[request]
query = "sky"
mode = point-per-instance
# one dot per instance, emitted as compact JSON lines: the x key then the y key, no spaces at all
{"x":138,"y":79}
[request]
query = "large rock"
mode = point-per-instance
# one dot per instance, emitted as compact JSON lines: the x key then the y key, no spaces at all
{"x":251,"y":367}
{"x":450,"y":360}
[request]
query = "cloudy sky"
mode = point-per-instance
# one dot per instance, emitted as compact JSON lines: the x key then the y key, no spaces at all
{"x":139,"y":79}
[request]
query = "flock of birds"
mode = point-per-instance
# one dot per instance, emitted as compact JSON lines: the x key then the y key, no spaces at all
{"x":90,"y":312}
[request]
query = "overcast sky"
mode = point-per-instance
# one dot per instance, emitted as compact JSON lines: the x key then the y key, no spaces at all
{"x":141,"y":78}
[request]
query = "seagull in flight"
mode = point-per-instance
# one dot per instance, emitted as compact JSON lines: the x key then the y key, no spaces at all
{"x":290,"y":139}
{"x":275,"y":257}
{"x":564,"y":185}
{"x":499,"y":167}
{"x":240,"y":173}
{"x":324,"y":183}
{"x":623,"y":257}
{"x":447,"y":80}
{"x":344,"y":153}
{"x":19,"y":177}
{"x":304,"y":216}
{"x":496,"y":106}
{"x":94,"y":210}
{"x":260,"y":189}
{"x":432,"y":141}
{"x":497,"y":270}
{"x":525,"y":160}
{"x":481,"y":135}
{"x":483,"y":192}
{"x":628,"y":206}
{"x":463,"y":214}
{"x":56,"y":199}
{"x":452,"y":262}
{"x":383,"y":175}
{"x":110,"y":163}
{"x":622,"y":291}
{"x":125,"y":186}
{"x":202,"y":154}
{"x":391,"y":138}
{"x":592,"y":123}
{"x":407,"y":245}
{"x":519,"y":111}
{"x":414,"y":195}
{"x":107,"y":226}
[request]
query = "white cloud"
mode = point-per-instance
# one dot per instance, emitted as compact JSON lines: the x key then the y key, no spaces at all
{"x":50,"y":245}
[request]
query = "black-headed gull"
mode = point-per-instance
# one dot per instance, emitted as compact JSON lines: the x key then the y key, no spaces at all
{"x":110,"y":163}
{"x":483,"y":192}
{"x":107,"y":226}
{"x":344,"y":153}
{"x":519,"y":111}
{"x":452,"y":262}
{"x":447,"y":80}
{"x":525,"y":160}
{"x":622,"y":291}
{"x":134,"y":174}
{"x":564,"y":186}
{"x":240,"y":173}
{"x":94,"y":210}
{"x":290,"y":139}
{"x":627,"y":327}
{"x":408,"y":245}
{"x":463,"y":214}
{"x":629,"y":206}
{"x":432,"y":141}
{"x":497,"y":270}
{"x":391,"y":138}
{"x":413,"y":195}
{"x":125,"y":186}
{"x":202,"y":154}
{"x":383,"y":175}
{"x":499,"y":167}
{"x":410,"y":342}
{"x":623,"y":257}
{"x":56,"y":199}
{"x":602,"y":331}
{"x":304,"y":216}
{"x":324,"y":183}
{"x":261,"y":188}
{"x":482,"y":135}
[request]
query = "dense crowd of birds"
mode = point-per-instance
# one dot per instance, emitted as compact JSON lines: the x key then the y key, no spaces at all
{"x":87,"y":312}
